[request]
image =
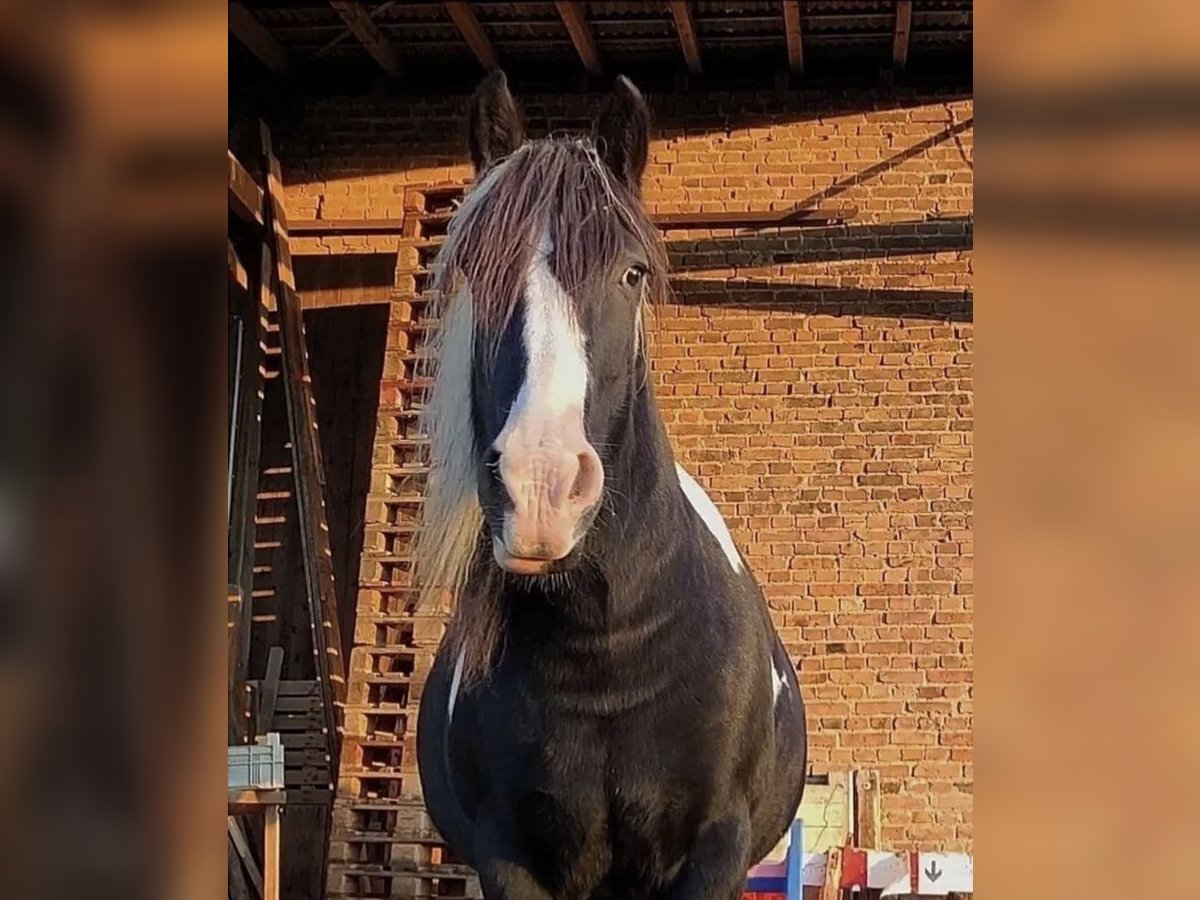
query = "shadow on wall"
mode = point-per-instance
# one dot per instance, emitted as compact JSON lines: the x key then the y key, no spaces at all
{"x":749,"y":270}
{"x":832,"y":243}
{"x":816,"y":299}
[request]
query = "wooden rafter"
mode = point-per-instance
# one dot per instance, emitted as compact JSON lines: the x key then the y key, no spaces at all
{"x":900,"y":40}
{"x":369,"y":35}
{"x":257,"y":39}
{"x":581,"y":35}
{"x":795,"y":43}
{"x":686,"y":29}
{"x":374,"y":14}
{"x":468,"y":26}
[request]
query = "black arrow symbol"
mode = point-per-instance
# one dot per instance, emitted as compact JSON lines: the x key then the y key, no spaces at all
{"x":933,"y":871}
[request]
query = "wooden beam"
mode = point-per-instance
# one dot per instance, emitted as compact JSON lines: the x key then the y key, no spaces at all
{"x":271,"y":873}
{"x":244,"y":852}
{"x":369,"y":35}
{"x":900,"y":40}
{"x":245,"y":196}
{"x":581,"y":35}
{"x":468,"y":26}
{"x":237,"y":271}
{"x":257,"y":39}
{"x":374,"y":14}
{"x":795,"y":43}
{"x":686,"y":29}
{"x":269,"y":694}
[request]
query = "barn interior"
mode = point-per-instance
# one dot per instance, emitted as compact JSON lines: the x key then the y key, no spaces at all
{"x":811,"y":171}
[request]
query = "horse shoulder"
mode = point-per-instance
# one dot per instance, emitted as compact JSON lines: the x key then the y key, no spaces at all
{"x":699,"y":500}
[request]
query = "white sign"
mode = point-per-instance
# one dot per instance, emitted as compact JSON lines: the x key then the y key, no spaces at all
{"x":941,"y":873}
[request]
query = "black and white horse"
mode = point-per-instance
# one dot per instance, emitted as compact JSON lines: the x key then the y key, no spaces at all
{"x":612,"y":713}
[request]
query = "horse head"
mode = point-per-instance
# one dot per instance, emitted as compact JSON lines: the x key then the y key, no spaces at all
{"x":544,"y":275}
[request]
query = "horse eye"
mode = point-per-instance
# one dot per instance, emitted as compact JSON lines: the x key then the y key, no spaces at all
{"x":634,"y":276}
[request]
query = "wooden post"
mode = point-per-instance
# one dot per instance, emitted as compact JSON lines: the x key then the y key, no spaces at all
{"x":271,"y":853}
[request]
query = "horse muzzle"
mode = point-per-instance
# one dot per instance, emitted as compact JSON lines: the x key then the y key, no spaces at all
{"x":553,"y":478}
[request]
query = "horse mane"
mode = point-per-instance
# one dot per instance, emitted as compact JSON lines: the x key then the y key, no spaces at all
{"x":555,"y":187}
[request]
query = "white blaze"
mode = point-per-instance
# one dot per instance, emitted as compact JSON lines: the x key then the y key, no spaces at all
{"x":711,"y":516}
{"x":556,"y":372}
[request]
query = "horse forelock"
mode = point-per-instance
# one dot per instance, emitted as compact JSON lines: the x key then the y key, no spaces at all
{"x":557,"y":189}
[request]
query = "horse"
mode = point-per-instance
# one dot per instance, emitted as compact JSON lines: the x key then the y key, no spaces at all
{"x":610,"y":712}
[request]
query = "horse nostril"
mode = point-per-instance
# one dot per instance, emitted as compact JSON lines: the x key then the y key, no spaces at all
{"x":586,"y":478}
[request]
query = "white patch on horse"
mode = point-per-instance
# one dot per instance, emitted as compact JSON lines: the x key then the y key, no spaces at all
{"x":455,"y":683}
{"x":778,"y":682}
{"x":556,"y":373}
{"x":708,"y":511}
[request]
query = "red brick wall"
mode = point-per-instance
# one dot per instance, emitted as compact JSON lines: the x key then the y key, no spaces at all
{"x":818,"y":382}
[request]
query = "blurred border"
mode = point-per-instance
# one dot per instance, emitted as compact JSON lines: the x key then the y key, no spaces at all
{"x":111,"y":619}
{"x":112,"y":121}
{"x":1088,"y":436}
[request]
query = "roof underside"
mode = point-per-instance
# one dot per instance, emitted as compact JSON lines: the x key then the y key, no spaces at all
{"x":736,"y":41}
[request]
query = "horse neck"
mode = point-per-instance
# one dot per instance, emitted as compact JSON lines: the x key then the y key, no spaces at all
{"x":636,"y":536}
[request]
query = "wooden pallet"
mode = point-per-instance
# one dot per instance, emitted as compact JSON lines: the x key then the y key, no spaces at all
{"x":383,"y":843}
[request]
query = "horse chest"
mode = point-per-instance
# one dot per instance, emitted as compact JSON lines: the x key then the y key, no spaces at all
{"x":596,"y":800}
{"x":622,"y":820}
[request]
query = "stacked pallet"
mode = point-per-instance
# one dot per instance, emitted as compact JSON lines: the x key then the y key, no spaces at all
{"x":383,"y":843}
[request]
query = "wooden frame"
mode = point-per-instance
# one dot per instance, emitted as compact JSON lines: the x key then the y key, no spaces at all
{"x":269,"y":803}
{"x":306,"y":461}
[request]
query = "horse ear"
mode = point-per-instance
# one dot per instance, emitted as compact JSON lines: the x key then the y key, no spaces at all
{"x":622,"y":132}
{"x":494,"y":127}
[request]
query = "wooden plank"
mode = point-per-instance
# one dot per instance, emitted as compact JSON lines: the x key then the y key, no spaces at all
{"x":257,"y":39}
{"x":245,"y":196}
{"x":244,"y":853}
{"x":900,"y":37}
{"x":870,"y":824}
{"x":681,"y":11}
{"x":795,"y":41}
{"x":832,"y":889}
{"x":237,"y":271}
{"x":254,"y":801}
{"x":271,"y":854}
{"x":269,"y":693}
{"x":250,"y":308}
{"x":238,"y":639}
{"x":468,"y":26}
{"x":369,"y":35}
{"x":581,"y":34}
